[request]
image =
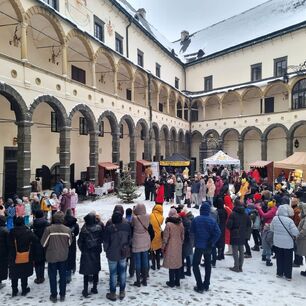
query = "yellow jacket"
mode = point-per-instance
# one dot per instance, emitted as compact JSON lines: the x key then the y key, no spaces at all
{"x":157,"y":219}
{"x":44,"y":205}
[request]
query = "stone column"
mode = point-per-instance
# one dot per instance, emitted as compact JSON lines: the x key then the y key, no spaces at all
{"x":289,"y":148}
{"x":147,"y":149}
{"x":93,"y":156}
{"x":64,"y":61}
{"x":241,"y":152}
{"x":24,"y":158}
{"x":133,"y":156}
{"x":202,"y":153}
{"x":116,"y":80}
{"x":116,"y":147}
{"x":167,"y":149}
{"x":64,"y":154}
{"x":168,"y":104}
{"x":264,"y":154}
{"x":94,"y":76}
{"x":221,"y":110}
{"x":157,"y":149}
{"x":220,"y":144}
{"x":133,"y":89}
{"x":24,"y":42}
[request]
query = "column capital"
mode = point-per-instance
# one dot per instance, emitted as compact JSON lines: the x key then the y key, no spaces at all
{"x":24,"y":123}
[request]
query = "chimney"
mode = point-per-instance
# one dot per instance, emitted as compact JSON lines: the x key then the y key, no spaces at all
{"x":142,"y":13}
{"x":184,"y":35}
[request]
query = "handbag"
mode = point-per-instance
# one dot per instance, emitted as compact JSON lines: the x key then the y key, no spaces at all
{"x":294,"y":241}
{"x":22,"y":257}
{"x":150,"y":229}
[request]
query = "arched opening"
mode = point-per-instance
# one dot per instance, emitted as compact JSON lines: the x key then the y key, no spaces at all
{"x":163,"y":140}
{"x":197,"y":111}
{"x":179,"y":110}
{"x":276,"y":98}
{"x":163,"y":99}
{"x":172,"y":102}
{"x":155,"y":141}
{"x":181,"y":143}
{"x":212,"y":143}
{"x":44,"y":43}
{"x":124,"y":145}
{"x":140,"y":88}
{"x":230,"y":143}
{"x":154,"y":96}
{"x":105,"y":72}
{"x":196,"y":140}
{"x":276,"y":144}
{"x":212,"y":108}
{"x":251,"y":102}
{"x":299,"y":95}
{"x":251,"y":147}
{"x":186,"y":111}
{"x":141,"y":134}
{"x":124,"y":81}
{"x":10,"y":30}
{"x":231,"y":105}
{"x":105,"y":140}
{"x":299,"y":138}
{"x":173,"y":145}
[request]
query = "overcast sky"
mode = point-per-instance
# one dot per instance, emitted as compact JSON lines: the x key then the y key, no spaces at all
{"x":170,"y":17}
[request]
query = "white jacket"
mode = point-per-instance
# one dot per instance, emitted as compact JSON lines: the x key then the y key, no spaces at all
{"x":281,"y":237}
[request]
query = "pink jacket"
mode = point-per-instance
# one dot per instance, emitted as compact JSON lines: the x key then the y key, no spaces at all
{"x":269,"y":215}
{"x":20,"y":210}
{"x":74,"y":200}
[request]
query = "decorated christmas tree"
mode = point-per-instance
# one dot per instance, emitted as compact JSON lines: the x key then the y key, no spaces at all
{"x":127,"y":188}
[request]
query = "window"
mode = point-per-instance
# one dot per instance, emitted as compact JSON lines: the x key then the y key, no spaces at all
{"x":161,"y":107}
{"x":299,"y":95}
{"x":157,"y":70}
{"x":83,"y":129}
{"x":52,"y":3}
{"x":269,"y":105}
{"x":119,"y":43}
{"x":78,"y":74}
{"x":194,"y":115}
{"x":101,"y":129}
{"x":256,"y":72}
{"x":177,"y":83}
{"x":54,"y":123}
{"x":121,"y":130}
{"x":98,"y":28}
{"x":139,"y":58}
{"x":280,"y":66}
{"x":142,"y":134}
{"x":129,"y":94}
{"x":186,"y":111}
{"x":208,"y":83}
{"x":179,"y":110}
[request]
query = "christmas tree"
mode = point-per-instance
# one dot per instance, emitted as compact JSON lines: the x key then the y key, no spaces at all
{"x":127,"y":188}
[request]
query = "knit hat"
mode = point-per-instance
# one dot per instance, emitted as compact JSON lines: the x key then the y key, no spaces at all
{"x":116,"y":218}
{"x":172,"y":213}
{"x":271,"y":204}
{"x":58,"y":217}
{"x":19,"y":201}
{"x":39,"y":214}
{"x":285,"y":200}
{"x":257,"y":196}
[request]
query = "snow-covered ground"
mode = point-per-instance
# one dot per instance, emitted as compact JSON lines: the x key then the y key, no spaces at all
{"x":257,"y":285}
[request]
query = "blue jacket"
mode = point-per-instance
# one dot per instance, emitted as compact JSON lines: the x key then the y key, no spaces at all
{"x":205,"y":229}
{"x":195,"y":187}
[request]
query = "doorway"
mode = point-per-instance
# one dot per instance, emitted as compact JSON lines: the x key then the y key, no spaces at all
{"x":10,"y":172}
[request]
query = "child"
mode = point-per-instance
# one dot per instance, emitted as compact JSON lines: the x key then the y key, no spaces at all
{"x":28,"y":211}
{"x":188,"y":195}
{"x":11,"y":213}
{"x":267,"y":242}
{"x":74,"y":201}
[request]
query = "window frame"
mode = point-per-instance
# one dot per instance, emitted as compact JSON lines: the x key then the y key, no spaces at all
{"x":207,"y":79}
{"x":177,"y":83}
{"x":140,"y":58}
{"x":100,"y":23}
{"x":54,"y":123}
{"x":119,"y":38}
{"x":101,"y":129}
{"x":83,"y":126}
{"x":269,"y":99}
{"x":157,"y":70}
{"x":253,"y":67}
{"x":80,"y":73}
{"x":52,"y":3}
{"x":276,"y":62}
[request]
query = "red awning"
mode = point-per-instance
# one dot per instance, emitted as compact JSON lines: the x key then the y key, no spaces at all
{"x":109,"y":166}
{"x":260,"y":163}
{"x":145,"y":163}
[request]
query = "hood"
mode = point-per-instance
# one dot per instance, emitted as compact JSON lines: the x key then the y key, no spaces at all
{"x":70,"y":220}
{"x":119,"y":208}
{"x":283,"y":210}
{"x":140,"y":209}
{"x":116,"y":218}
{"x":90,"y":219}
{"x":239,"y":209}
{"x":175,"y":220}
{"x":58,"y":217}
{"x":158,"y":209}
{"x":205,"y":208}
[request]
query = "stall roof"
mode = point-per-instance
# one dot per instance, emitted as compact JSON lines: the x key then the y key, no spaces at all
{"x":220,"y":158}
{"x":175,"y":160}
{"x":260,"y":163}
{"x":144,"y":162}
{"x":296,"y":161}
{"x":109,"y":166}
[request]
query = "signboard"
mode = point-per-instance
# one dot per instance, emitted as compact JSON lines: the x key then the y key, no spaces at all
{"x":155,"y":169}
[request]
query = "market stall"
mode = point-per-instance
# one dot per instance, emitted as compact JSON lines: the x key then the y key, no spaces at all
{"x":175,"y":163}
{"x":143,"y":169}
{"x":107,"y":175}
{"x":220,"y":158}
{"x":265,"y":169}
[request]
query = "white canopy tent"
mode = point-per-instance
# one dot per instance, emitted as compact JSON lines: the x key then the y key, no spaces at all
{"x":220,"y":158}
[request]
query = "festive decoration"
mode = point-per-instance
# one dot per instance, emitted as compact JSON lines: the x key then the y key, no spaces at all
{"x":127,"y":189}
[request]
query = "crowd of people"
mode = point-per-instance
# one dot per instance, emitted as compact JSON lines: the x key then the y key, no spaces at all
{"x":232,"y":209}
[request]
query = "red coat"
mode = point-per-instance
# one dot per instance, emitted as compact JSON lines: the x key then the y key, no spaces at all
{"x":228,"y":201}
{"x":227,"y":231}
{"x":160,"y":195}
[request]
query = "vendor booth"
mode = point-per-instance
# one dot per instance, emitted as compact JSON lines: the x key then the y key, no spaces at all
{"x":143,"y":170}
{"x":294,"y":164}
{"x":107,"y":176}
{"x":220,"y":158}
{"x":265,"y":169}
{"x":175,"y":163}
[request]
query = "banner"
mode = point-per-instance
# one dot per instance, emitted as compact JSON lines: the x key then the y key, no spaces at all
{"x":155,"y":169}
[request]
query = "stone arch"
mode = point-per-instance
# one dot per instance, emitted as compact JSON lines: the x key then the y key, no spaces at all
{"x":75,"y":33}
{"x":108,"y":55}
{"x":87,"y":113}
{"x":226,"y":131}
{"x":56,"y":105}
{"x":16,"y":101}
{"x":180,"y":134}
{"x":173,"y":134}
{"x":250,"y":128}
{"x":246,"y":91}
{"x":211,"y":131}
{"x":295,"y":126}
{"x":38,"y":10}
{"x":18,"y":8}
{"x":155,"y":130}
{"x":112,"y":120}
{"x":165,"y":129}
{"x":267,"y":131}
{"x":144,"y":125}
{"x":127,"y":66}
{"x":130,"y":122}
{"x":274,"y":84}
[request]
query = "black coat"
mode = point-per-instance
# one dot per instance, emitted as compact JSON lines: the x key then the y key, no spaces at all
{"x":25,"y":240}
{"x":38,"y":228}
{"x":188,"y":240}
{"x":239,"y":224}
{"x":222,"y":216}
{"x":71,"y":222}
{"x":90,"y":244}
{"x":4,"y":252}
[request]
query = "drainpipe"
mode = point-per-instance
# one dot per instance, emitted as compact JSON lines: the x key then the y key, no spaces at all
{"x":190,"y":138}
{"x":127,"y":37}
{"x":150,"y":113}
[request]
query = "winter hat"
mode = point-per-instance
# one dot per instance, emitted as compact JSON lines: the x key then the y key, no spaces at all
{"x":116,"y":217}
{"x":119,"y":208}
{"x":271,"y":204}
{"x":285,"y":200}
{"x":58,"y":217}
{"x":19,"y":201}
{"x":172,"y":213}
{"x":257,"y":196}
{"x":205,"y":208}
{"x":39,"y":214}
{"x":182,"y":214}
{"x":19,"y":221}
{"x":128,"y":212}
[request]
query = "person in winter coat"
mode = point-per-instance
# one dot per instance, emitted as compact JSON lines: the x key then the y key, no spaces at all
{"x":219,"y":185}
{"x":188,"y":194}
{"x":210,"y":190}
{"x":65,"y":200}
{"x":27,"y":211}
{"x":267,"y":244}
{"x":160,"y":193}
{"x":90,"y":244}
{"x":56,"y":241}
{"x":141,"y":243}
{"x":71,"y":222}
{"x":152,"y":188}
{"x":195,"y":189}
{"x":21,"y":239}
{"x":38,"y":227}
{"x":147,"y":188}
{"x":239,"y":224}
{"x":156,"y":219}
{"x":35,"y":204}
{"x":202,"y":191}
{"x":256,"y":224}
{"x":55,"y":203}
{"x":74,"y":199}
{"x":298,"y":260}
{"x":269,"y":215}
{"x":301,"y":237}
{"x":45,"y":205}
{"x":172,"y":247}
{"x":284,"y":231}
{"x":244,"y":189}
{"x":222,"y":217}
{"x":206,"y":234}
{"x":11,"y":214}
{"x":178,"y":190}
{"x":117,"y":241}
{"x":4,"y":250}
{"x":20,"y":210}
